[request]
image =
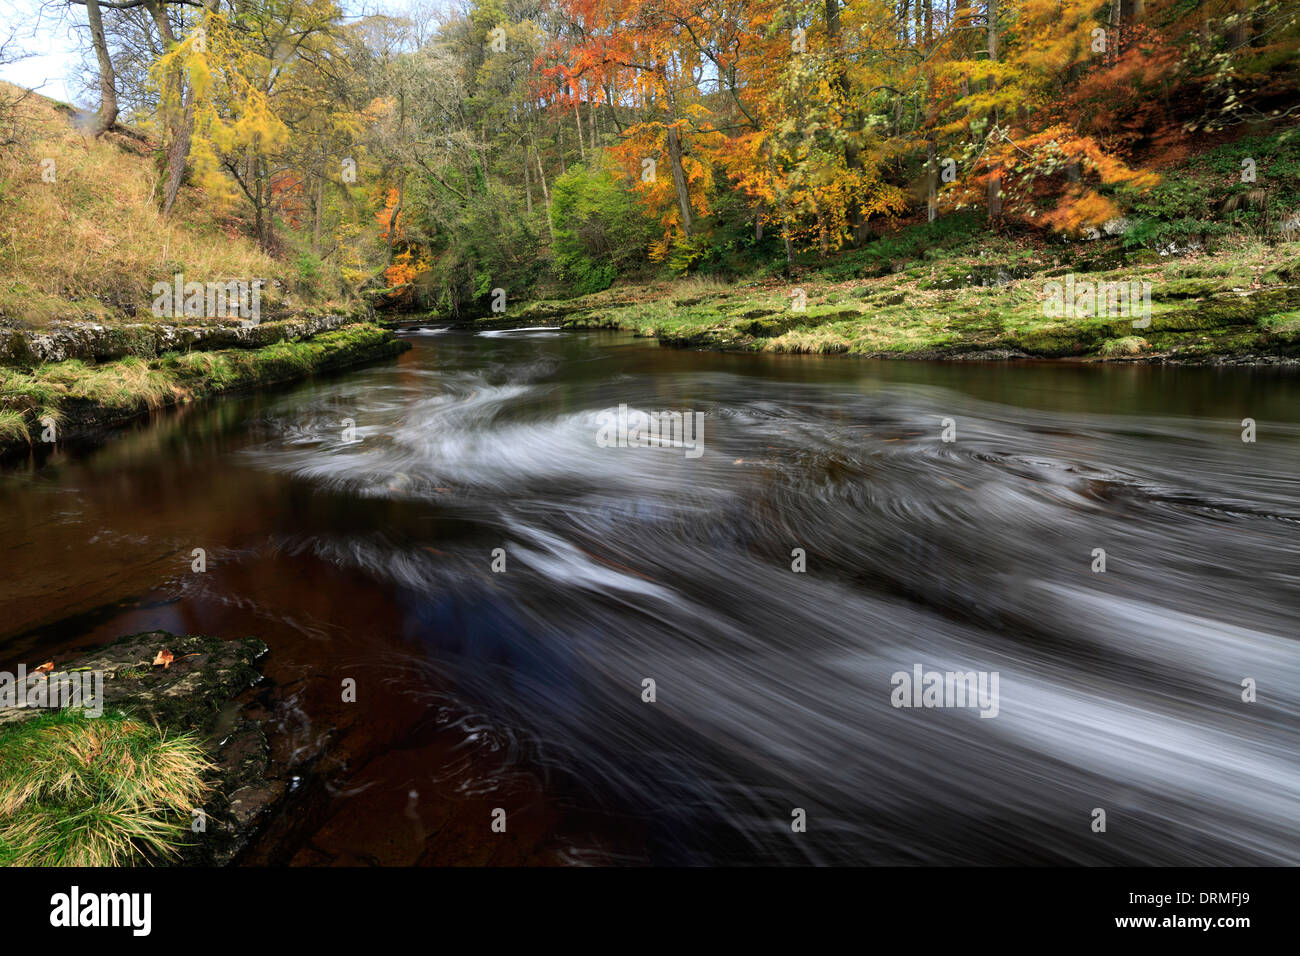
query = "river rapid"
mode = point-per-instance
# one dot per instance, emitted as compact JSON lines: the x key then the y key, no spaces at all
{"x":446,"y":530}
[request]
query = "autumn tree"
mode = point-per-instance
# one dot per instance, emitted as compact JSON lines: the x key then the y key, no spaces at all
{"x":258,"y":74}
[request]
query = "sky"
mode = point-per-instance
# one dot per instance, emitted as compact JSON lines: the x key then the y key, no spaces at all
{"x":51,"y":35}
{"x":55,"y":33}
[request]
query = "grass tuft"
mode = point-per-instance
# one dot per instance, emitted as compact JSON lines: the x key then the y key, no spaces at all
{"x":106,"y":791}
{"x":13,"y":427}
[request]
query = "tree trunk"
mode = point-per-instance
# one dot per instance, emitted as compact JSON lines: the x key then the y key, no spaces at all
{"x":318,"y":218}
{"x":180,"y":127}
{"x":1241,"y":29}
{"x":541,"y":177}
{"x":931,"y":151}
{"x":528,"y":185}
{"x":1112,"y":35}
{"x":679,"y":179}
{"x":993,"y":29}
{"x":613,"y":114}
{"x":784,"y":212}
{"x":397,"y":211}
{"x":107,"y":115}
{"x":995,"y":176}
{"x":932,"y":187}
{"x":559,"y":142}
{"x":262,"y":202}
{"x":546,"y":193}
{"x":178,"y":153}
{"x":852,"y":155}
{"x":577,"y":115}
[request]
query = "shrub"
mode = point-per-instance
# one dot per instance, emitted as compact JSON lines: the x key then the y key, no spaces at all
{"x":599,"y":229}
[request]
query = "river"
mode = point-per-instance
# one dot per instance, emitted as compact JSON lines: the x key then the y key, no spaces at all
{"x":353,"y":524}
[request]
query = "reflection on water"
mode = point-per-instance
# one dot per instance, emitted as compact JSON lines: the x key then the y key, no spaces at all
{"x":369,"y":552}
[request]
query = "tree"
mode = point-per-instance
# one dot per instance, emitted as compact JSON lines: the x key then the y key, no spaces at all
{"x":107,"y":113}
{"x":258,"y":76}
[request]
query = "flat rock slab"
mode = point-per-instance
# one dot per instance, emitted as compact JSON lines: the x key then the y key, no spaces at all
{"x":61,"y":341}
{"x":187,"y":694}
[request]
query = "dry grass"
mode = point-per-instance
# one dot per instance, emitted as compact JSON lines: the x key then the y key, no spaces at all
{"x":107,"y":791}
{"x":122,"y":384}
{"x":127,"y":383}
{"x":13,"y":426}
{"x":91,"y":243}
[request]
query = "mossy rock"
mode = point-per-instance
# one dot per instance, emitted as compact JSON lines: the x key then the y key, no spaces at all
{"x":983,"y":276}
{"x":769,"y":326}
{"x":15,"y":349}
{"x":196,"y":693}
{"x":204,"y":674}
{"x":1105,"y":261}
{"x":1188,"y":288}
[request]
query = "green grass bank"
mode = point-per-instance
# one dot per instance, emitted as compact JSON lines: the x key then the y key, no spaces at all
{"x":74,"y":397}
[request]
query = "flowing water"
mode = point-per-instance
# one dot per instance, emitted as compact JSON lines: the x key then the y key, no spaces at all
{"x":370,"y":555}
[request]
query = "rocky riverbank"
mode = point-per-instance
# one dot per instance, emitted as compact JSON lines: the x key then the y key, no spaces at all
{"x":998,"y":299}
{"x":56,"y":401}
{"x":1184,"y":324}
{"x":182,"y":684}
{"x":94,"y":342}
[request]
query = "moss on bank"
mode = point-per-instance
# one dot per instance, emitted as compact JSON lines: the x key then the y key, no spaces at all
{"x":98,"y":343}
{"x":77,"y":396}
{"x":1236,"y":305}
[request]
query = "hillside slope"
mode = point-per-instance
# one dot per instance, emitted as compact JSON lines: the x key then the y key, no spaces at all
{"x":82,"y":237}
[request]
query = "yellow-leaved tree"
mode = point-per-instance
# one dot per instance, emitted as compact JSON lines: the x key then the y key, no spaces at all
{"x":261,"y":77}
